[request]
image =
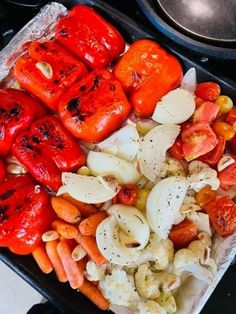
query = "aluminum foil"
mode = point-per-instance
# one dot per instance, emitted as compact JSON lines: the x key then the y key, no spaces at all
{"x":192,"y":296}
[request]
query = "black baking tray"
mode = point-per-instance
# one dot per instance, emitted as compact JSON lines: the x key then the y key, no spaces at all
{"x":62,"y":295}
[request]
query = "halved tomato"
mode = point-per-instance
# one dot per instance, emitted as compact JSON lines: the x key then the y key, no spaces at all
{"x":198,"y":139}
{"x":206,"y":112}
{"x":222,"y":214}
{"x":214,"y":156}
{"x":227,"y":176}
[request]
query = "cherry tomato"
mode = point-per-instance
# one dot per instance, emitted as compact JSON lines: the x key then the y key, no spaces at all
{"x":128,"y":194}
{"x":206,"y":112}
{"x":142,"y":199}
{"x":205,"y":196}
{"x":233,"y":144}
{"x":2,"y":171}
{"x":222,"y":214}
{"x":231,"y":117}
{"x":208,"y":91}
{"x":176,"y":150}
{"x":184,"y":233}
{"x":225,"y":103}
{"x":227,"y":177}
{"x":198,"y":140}
{"x":198,"y":101}
{"x":223,"y":129}
{"x":185,"y":125}
{"x":214,"y":156}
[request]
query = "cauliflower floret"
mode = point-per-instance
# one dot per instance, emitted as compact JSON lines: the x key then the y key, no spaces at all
{"x":146,"y":282}
{"x":171,"y":167}
{"x":94,"y":272}
{"x":150,"y":307}
{"x":119,"y":289}
{"x":167,"y":301}
{"x":205,"y":238}
{"x":186,"y":263}
{"x":168,"y":281}
{"x":200,"y":175}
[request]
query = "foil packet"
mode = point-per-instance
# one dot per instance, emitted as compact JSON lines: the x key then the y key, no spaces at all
{"x":193,"y":294}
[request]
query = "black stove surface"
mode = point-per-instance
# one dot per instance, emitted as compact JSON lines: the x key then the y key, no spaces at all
{"x":13,"y":16}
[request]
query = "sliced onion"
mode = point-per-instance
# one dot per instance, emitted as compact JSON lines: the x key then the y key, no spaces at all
{"x":106,"y":164}
{"x":152,"y":149}
{"x":164,"y":203}
{"x":88,"y":189}
{"x":123,"y":143}
{"x":202,"y":221}
{"x":132,"y":222}
{"x":189,"y":81}
{"x":175,"y":107}
{"x":61,"y":190}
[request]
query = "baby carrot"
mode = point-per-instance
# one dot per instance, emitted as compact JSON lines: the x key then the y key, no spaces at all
{"x":42,"y":259}
{"x":90,"y":246}
{"x":64,"y":229}
{"x":72,"y":269}
{"x":89,"y":225}
{"x":65,"y":210}
{"x":85,"y":209}
{"x":94,"y":294}
{"x":51,"y":249}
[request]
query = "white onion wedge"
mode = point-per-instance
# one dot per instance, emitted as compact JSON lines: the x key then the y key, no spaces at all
{"x":164,"y":203}
{"x":132,"y":222}
{"x":106,"y":164}
{"x":152,"y":149}
{"x":61,"y":191}
{"x":189,"y":81}
{"x":202,"y":221}
{"x":88,"y":189}
{"x":109,"y":244}
{"x":123,"y":143}
{"x":175,"y":107}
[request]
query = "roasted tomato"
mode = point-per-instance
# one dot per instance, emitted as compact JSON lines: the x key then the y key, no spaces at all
{"x":25,"y":213}
{"x":209,"y":91}
{"x":205,"y":196}
{"x":214,"y":155}
{"x":227,"y":177}
{"x":94,"y":107}
{"x":128,"y":194}
{"x":198,"y":139}
{"x":206,"y":112}
{"x":184,"y":233}
{"x":176,"y":150}
{"x":223,"y":129}
{"x":2,"y":170}
{"x":231,"y":117}
{"x":222,"y":214}
{"x":147,"y":72}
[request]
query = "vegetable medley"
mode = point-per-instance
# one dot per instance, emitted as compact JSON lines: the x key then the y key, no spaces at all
{"x":116,"y":171}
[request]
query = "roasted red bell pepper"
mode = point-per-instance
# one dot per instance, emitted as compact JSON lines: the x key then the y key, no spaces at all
{"x":2,"y":170}
{"x":46,"y":150}
{"x":94,"y":107}
{"x":47,"y":71}
{"x":147,"y":72}
{"x":57,"y":143}
{"x":87,"y":35}
{"x":25,"y":214}
{"x":17,"y":111}
{"x":222,"y":213}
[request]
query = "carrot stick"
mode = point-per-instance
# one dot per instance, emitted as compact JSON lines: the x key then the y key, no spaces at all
{"x":64,"y":229}
{"x":72,"y":270}
{"x":65,"y":210}
{"x":89,"y":225}
{"x":85,"y":209}
{"x":42,"y":259}
{"x":51,"y":249}
{"x":90,"y":246}
{"x":94,"y":294}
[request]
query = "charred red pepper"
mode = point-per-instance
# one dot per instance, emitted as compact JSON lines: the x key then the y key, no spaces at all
{"x":147,"y":72}
{"x":2,"y":170}
{"x":47,"y":71}
{"x":94,"y":107}
{"x":87,"y":35}
{"x":25,"y":214}
{"x":17,"y":111}
{"x":46,"y":150}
